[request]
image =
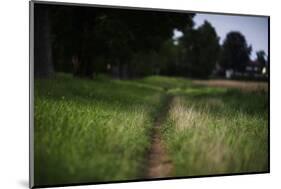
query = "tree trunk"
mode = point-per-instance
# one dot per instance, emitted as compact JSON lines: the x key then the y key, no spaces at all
{"x":43,"y":63}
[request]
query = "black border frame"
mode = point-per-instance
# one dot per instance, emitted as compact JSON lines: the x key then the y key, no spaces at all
{"x":31,"y":91}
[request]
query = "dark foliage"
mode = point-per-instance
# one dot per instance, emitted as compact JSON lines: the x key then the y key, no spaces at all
{"x":201,"y":50}
{"x":43,"y":56}
{"x":261,"y":58}
{"x":235,"y":52}
{"x":128,"y":43}
{"x":87,"y":40}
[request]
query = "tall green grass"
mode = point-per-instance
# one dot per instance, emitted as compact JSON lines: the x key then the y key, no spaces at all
{"x":92,"y":130}
{"x":217,"y":131}
{"x":99,"y":130}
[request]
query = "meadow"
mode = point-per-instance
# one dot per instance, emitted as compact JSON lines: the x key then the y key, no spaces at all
{"x":100,"y":130}
{"x":217,"y":131}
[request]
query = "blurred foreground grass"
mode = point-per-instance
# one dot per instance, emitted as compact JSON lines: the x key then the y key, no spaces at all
{"x":217,"y":131}
{"x":92,"y":130}
{"x":99,"y":130}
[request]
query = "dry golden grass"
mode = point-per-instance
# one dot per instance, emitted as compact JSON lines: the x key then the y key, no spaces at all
{"x":242,"y":85}
{"x":208,"y":136}
{"x":187,"y":117}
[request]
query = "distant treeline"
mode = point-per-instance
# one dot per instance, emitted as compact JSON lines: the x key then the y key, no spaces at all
{"x":131,"y":43}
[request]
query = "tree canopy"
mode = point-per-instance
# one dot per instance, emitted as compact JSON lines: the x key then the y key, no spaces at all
{"x":201,"y":50}
{"x":235,"y":52}
{"x":131,"y":43}
{"x":261,"y":57}
{"x":92,"y":35}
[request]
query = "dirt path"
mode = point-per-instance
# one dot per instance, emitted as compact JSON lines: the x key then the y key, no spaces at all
{"x":159,"y":164}
{"x":246,"y":86}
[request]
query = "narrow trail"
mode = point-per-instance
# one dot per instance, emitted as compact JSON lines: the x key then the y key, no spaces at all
{"x":159,"y":165}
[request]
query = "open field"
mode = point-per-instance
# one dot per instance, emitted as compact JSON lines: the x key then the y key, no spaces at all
{"x":217,"y":131}
{"x":100,"y":130}
{"x":92,"y":130}
{"x":242,"y":85}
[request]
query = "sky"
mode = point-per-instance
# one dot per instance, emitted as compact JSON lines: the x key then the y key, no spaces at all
{"x":255,"y":29}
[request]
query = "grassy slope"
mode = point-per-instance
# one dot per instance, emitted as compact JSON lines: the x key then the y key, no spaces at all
{"x":217,"y":131}
{"x":89,"y":131}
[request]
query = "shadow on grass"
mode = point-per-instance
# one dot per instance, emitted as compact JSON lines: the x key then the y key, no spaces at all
{"x":123,"y":94}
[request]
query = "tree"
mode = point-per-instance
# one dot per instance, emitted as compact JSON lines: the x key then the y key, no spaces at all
{"x":74,"y":40}
{"x":261,"y":57}
{"x":139,"y":32}
{"x":171,"y":59}
{"x":43,"y":60}
{"x":235,"y":52}
{"x":201,"y":50}
{"x":78,"y":39}
{"x":87,"y":35}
